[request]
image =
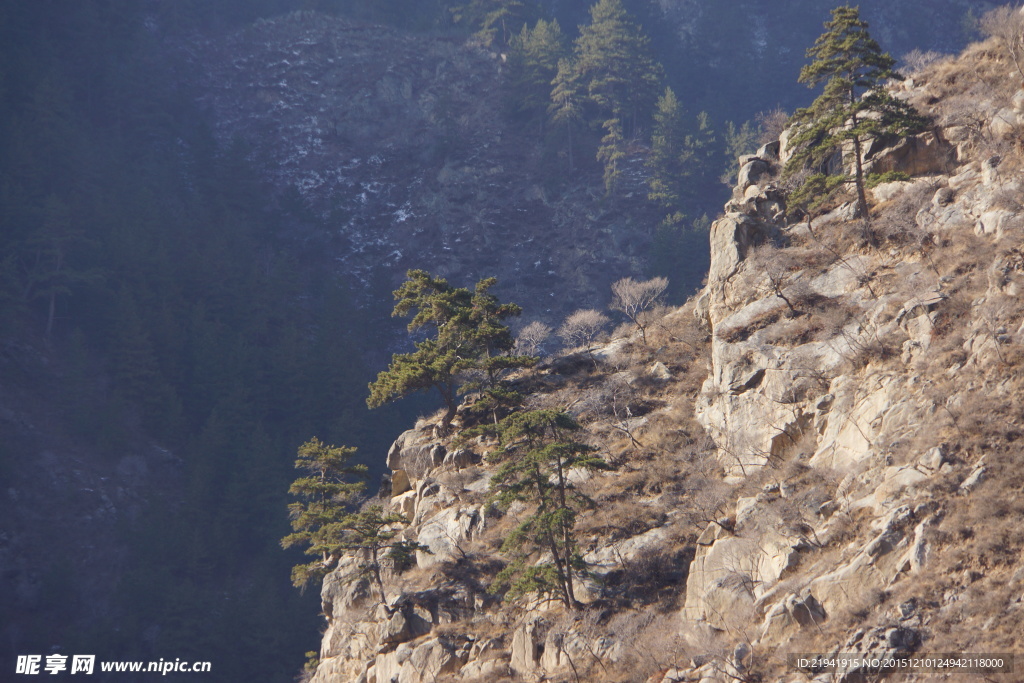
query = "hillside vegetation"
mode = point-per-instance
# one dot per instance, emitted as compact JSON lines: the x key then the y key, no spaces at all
{"x":815,"y":454}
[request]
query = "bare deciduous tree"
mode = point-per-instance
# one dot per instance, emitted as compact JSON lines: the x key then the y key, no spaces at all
{"x":771,"y":123}
{"x":1006,"y":24}
{"x":636,"y":298}
{"x":778,"y":279}
{"x":531,"y":338}
{"x":917,"y":60}
{"x":582,"y":327}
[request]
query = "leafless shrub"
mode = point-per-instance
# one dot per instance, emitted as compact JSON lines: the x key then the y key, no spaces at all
{"x":653,"y":575}
{"x":636,"y":298}
{"x":771,"y":123}
{"x":1006,"y":25}
{"x":1007,"y":198}
{"x":531,"y":338}
{"x":793,"y":331}
{"x":948,"y":320}
{"x":782,"y":285}
{"x":834,"y":318}
{"x":652,"y":641}
{"x":964,"y":113}
{"x":782,"y":269}
{"x":895,"y":222}
{"x":862,"y":348}
{"x":916,"y":60}
{"x":583,"y":327}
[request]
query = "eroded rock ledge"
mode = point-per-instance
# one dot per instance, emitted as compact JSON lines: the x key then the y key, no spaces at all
{"x":820,"y":457}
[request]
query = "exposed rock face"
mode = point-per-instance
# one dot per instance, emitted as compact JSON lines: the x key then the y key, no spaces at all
{"x":845,"y":399}
{"x":769,"y":396}
{"x":923,"y":154}
{"x":366,"y":641}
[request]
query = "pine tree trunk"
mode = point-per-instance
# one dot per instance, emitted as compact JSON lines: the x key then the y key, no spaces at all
{"x":448,"y":394}
{"x":566,"y":538}
{"x":563,"y":582}
{"x":559,"y":569}
{"x":862,"y":200}
{"x":568,"y":127}
{"x":375,"y":569}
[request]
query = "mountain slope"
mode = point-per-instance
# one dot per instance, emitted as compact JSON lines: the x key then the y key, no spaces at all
{"x":399,"y":147}
{"x":833,"y":474}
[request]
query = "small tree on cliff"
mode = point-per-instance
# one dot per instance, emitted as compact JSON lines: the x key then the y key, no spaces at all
{"x":323,"y":519}
{"x":538,"y":449}
{"x":636,"y":299}
{"x":468,"y":334}
{"x":854,"y":108}
{"x":325,"y":492}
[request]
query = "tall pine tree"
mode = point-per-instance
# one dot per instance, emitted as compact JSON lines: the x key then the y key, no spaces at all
{"x":667,"y":162}
{"x":612,"y":72}
{"x":855,"y":107}
{"x":566,"y":108}
{"x":468,"y":336}
{"x":325,"y":492}
{"x":533,"y":64}
{"x":538,"y":450}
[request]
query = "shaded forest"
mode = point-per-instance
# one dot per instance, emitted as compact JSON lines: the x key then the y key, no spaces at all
{"x":147,"y":262}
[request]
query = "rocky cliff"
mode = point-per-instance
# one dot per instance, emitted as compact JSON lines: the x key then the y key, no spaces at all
{"x":817,"y":454}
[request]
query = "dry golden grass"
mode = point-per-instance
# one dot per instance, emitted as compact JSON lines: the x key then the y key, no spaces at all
{"x":668,"y":473}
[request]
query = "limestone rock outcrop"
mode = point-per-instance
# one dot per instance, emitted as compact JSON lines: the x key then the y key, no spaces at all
{"x":858,"y":403}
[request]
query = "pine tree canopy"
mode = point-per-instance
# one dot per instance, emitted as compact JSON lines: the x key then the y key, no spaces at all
{"x":325,"y":492}
{"x":323,"y":521}
{"x":854,"y":108}
{"x":538,"y":449}
{"x":614,"y":61}
{"x":496,"y":22}
{"x":533,"y":65}
{"x":667,"y":159}
{"x":610,"y":83}
{"x":469,"y":335}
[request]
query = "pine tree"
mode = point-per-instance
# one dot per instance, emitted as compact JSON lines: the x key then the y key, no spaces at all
{"x":610,"y":82}
{"x":567,"y":98}
{"x":701,"y":151}
{"x":490,"y":338}
{"x":667,"y":161}
{"x":468,"y":334}
{"x":373,"y":534}
{"x":533,"y":65}
{"x":324,"y":522}
{"x":854,"y":108}
{"x":326,"y":492}
{"x":538,"y":449}
{"x":611,"y":152}
{"x":679,"y":162}
{"x":496,"y":22}
{"x":613,"y":59}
